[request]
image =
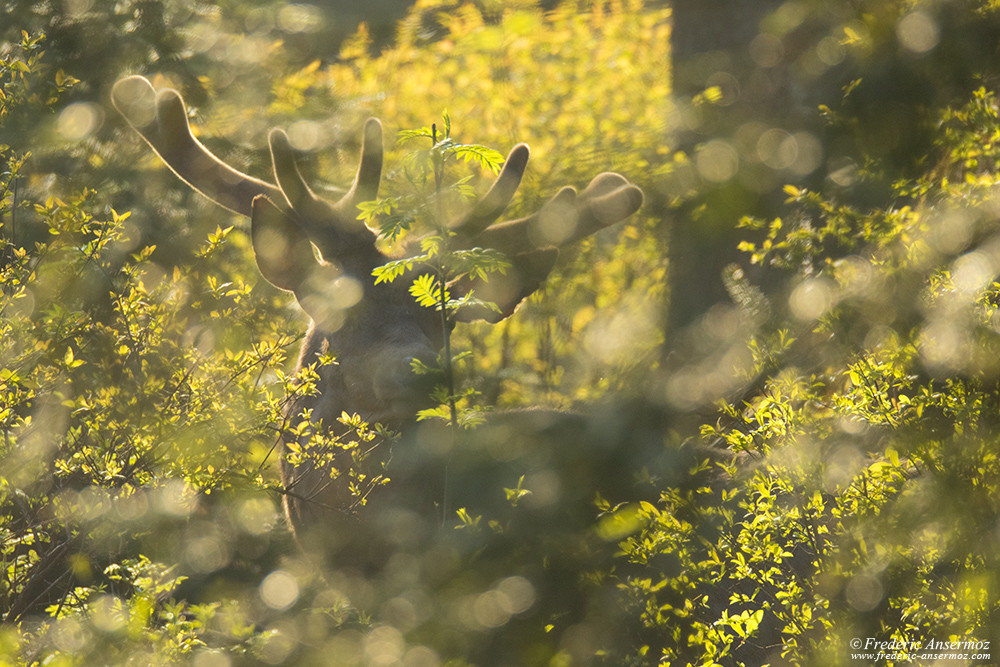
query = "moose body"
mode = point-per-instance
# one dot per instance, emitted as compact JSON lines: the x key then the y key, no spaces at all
{"x":375,"y":331}
{"x":391,"y":395}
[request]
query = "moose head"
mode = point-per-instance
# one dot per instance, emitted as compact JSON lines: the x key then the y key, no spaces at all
{"x":375,"y":331}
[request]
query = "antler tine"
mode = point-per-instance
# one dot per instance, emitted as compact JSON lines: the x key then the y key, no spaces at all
{"x":493,"y":203}
{"x":366,"y":182}
{"x":514,"y":237}
{"x":608,"y":199}
{"x":161,"y":120}
{"x":333,"y":228}
{"x":533,"y":243}
{"x":296,"y":191}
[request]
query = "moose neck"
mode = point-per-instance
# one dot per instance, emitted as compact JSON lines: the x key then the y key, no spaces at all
{"x":375,"y":343}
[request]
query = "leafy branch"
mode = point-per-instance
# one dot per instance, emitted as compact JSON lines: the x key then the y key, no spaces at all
{"x":437,"y":264}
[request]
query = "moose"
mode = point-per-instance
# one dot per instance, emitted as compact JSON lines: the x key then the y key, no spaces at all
{"x":375,"y":331}
{"x":324,"y":255}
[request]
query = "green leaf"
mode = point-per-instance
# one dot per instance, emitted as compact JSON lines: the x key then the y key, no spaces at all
{"x":431,"y":246}
{"x":426,"y":291}
{"x":470,"y":301}
{"x":369,"y":210}
{"x":446,"y":117}
{"x":408,"y":135}
{"x":514,"y":495}
{"x":467,"y":520}
{"x":389,"y":271}
{"x":487,"y":158}
{"x":476,"y":263}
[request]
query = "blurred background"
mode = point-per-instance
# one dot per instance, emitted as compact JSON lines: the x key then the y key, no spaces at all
{"x":754,"y":421}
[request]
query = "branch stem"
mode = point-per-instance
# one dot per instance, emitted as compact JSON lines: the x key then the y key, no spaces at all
{"x":449,"y":371}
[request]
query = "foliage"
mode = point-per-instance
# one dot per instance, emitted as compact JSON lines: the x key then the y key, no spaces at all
{"x":131,"y":394}
{"x":552,"y":85}
{"x":873,"y":421}
{"x":812,"y":461}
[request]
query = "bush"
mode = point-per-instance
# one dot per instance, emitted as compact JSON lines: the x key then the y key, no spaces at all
{"x":811,"y":462}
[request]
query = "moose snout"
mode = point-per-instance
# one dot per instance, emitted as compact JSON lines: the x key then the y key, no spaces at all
{"x":403,"y":384}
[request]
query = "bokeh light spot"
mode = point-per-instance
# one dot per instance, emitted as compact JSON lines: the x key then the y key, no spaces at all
{"x":305,"y":135}
{"x":210,"y":658}
{"x":68,"y":635}
{"x":864,"y":592}
{"x":767,"y":50}
{"x":132,"y":507}
{"x":107,"y":614}
{"x":421,"y":656}
{"x":843,"y":172}
{"x":728,"y":87}
{"x":917,"y":32}
{"x":279,"y":590}
{"x":278,"y":644}
{"x":556,"y":223}
{"x":80,"y":120}
{"x":300,"y":18}
{"x":800,"y":153}
{"x":831,"y":51}
{"x":944,"y":343}
{"x":207,"y":553}
{"x":717,"y":161}
{"x":774,"y":149}
{"x":77,"y":7}
{"x":811,"y":299}
{"x":489,"y":611}
{"x":176,"y":498}
{"x":257,"y":516}
{"x":516,"y":594}
{"x":973,"y":272}
{"x":384,"y":645}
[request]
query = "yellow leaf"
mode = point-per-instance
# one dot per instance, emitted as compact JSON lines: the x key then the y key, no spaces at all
{"x":70,"y":359}
{"x":850,"y":36}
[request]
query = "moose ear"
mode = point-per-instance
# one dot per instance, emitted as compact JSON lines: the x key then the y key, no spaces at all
{"x":283,"y":251}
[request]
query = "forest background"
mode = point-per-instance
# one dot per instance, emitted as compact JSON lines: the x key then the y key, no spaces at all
{"x":788,"y":359}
